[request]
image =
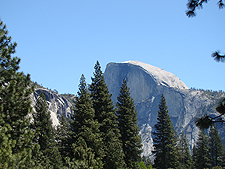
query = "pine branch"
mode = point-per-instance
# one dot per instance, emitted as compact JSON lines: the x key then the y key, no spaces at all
{"x":193,"y":4}
{"x":218,"y":57}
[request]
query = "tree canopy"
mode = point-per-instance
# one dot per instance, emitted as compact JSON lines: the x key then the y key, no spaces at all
{"x":165,"y":139}
{"x":129,"y":130}
{"x":15,"y":105}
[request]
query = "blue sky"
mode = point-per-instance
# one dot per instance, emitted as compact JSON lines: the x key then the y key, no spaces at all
{"x":60,"y":40}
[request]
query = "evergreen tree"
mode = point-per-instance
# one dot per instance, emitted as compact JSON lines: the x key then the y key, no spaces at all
{"x":185,"y":160}
{"x":215,"y":147}
{"x":106,"y":116}
{"x":63,"y":133}
{"x":202,"y":156}
{"x":42,"y":123}
{"x":15,"y":105}
{"x":84,"y":158}
{"x":194,"y":155}
{"x":83,"y":125}
{"x":165,"y":139}
{"x":127,"y":117}
{"x":44,"y":135}
{"x":147,"y":162}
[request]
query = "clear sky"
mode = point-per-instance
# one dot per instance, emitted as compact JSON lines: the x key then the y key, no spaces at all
{"x":60,"y":40}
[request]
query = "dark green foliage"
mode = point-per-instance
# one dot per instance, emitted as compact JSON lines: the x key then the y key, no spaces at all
{"x":49,"y":154}
{"x":42,"y":123}
{"x":201,"y":152}
{"x":62,"y":136}
{"x":142,"y":165}
{"x":84,"y":158}
{"x":83,"y":125}
{"x":15,"y":105}
{"x":127,"y":116}
{"x":216,"y":147}
{"x":184,"y":155}
{"x":106,"y":116}
{"x":147,"y":161}
{"x":165,"y":139}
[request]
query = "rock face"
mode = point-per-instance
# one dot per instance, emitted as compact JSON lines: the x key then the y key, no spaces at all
{"x":57,"y":104}
{"x":147,"y":83}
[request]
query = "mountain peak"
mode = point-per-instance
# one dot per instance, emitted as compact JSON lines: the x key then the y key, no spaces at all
{"x":160,"y":76}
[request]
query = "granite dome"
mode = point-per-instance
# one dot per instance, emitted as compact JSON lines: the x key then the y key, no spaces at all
{"x":160,"y":76}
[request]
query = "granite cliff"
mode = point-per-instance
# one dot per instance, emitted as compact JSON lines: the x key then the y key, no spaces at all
{"x":58,"y":105}
{"x":147,"y":83}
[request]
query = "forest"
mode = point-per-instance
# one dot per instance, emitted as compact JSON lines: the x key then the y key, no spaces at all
{"x":97,"y":134}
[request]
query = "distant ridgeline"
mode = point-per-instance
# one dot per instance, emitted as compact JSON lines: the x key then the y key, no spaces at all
{"x":147,"y":83}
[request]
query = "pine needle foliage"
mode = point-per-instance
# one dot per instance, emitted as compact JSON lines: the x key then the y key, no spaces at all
{"x":106,"y":116}
{"x":184,"y":156}
{"x":49,"y":154}
{"x":15,"y":105}
{"x":201,"y":153}
{"x":165,"y":139}
{"x":127,"y":116}
{"x":216,"y":148}
{"x":62,"y":137}
{"x":42,"y":123}
{"x":83,"y":124}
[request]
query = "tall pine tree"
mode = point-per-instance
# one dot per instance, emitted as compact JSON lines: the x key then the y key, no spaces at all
{"x":165,"y":139}
{"x":201,"y":154}
{"x":42,"y":123}
{"x":127,"y":116}
{"x":185,"y":161}
{"x":216,"y":147}
{"x":45,"y":135}
{"x":106,"y":116}
{"x":15,"y":105}
{"x":84,"y":126}
{"x":62,"y":138}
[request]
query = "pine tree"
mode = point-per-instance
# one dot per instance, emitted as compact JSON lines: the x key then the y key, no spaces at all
{"x":84,"y":157}
{"x":15,"y":105}
{"x":216,"y":147}
{"x":44,"y":135}
{"x":42,"y":123}
{"x":165,"y":139}
{"x":185,"y":160}
{"x":83,"y":125}
{"x":127,"y":117}
{"x":63,"y":133}
{"x":202,"y":156}
{"x":106,"y":116}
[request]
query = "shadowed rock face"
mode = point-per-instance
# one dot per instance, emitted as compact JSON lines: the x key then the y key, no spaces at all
{"x":147,"y":83}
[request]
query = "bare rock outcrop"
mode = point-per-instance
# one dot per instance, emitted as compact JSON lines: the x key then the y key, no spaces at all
{"x":58,"y":105}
